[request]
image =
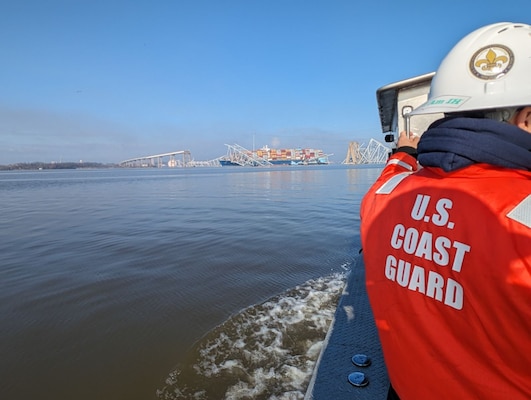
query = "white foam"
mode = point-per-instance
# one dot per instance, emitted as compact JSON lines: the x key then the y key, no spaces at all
{"x":268,"y":350}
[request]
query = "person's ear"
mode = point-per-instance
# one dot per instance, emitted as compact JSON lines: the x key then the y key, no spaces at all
{"x":523,"y":119}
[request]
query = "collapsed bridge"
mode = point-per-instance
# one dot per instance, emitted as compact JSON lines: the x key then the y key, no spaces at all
{"x":174,"y":159}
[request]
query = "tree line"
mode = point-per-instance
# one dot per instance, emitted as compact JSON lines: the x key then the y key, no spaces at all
{"x":54,"y":165}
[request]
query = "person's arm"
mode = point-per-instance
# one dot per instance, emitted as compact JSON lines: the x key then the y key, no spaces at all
{"x":407,"y":144}
{"x":404,"y":159}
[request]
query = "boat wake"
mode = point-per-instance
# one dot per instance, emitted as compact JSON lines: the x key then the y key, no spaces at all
{"x":267,"y":351}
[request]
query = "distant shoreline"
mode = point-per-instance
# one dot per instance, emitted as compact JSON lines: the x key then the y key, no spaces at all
{"x":36,"y":166}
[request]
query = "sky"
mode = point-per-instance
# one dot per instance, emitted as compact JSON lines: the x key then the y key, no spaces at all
{"x":109,"y":80}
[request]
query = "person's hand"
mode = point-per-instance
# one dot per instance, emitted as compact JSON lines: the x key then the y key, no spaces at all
{"x":404,"y":140}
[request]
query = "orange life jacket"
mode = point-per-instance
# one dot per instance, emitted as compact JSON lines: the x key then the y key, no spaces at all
{"x":448,"y":273}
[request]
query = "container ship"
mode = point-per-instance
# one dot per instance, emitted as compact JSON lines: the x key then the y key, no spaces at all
{"x":238,"y":155}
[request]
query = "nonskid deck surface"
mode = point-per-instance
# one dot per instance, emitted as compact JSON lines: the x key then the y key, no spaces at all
{"x":352,"y":333}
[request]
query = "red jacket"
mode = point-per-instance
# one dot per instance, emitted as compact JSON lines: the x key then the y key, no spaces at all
{"x":448,"y":273}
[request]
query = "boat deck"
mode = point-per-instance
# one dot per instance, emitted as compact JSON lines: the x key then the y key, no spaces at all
{"x":352,"y":332}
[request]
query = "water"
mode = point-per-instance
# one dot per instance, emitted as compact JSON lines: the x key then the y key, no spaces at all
{"x":204,"y":283}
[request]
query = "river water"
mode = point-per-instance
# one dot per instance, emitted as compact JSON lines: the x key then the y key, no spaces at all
{"x":203,"y":283}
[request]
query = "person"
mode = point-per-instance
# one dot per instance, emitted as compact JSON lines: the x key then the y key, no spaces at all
{"x":446,"y":230}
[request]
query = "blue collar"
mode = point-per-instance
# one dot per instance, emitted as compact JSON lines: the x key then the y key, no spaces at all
{"x":453,"y":143}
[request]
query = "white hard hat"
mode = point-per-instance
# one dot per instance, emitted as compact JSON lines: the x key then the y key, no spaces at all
{"x":489,"y":68}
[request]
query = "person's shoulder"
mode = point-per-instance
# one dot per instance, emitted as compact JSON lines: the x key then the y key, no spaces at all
{"x":404,"y":158}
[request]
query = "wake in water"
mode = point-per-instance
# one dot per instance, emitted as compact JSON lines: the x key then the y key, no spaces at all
{"x":266,"y":351}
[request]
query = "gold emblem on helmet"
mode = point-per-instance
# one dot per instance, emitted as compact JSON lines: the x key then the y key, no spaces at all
{"x":491,"y":62}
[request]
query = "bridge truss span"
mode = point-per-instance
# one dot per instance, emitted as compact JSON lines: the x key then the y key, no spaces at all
{"x":181,"y":158}
{"x":372,"y":153}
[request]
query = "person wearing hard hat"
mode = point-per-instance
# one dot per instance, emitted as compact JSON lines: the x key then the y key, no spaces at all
{"x":447,"y":235}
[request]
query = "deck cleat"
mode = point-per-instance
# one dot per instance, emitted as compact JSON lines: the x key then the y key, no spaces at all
{"x":361,"y":360}
{"x":358,"y":379}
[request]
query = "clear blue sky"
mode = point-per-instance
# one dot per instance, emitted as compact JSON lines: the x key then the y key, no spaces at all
{"x":107,"y":80}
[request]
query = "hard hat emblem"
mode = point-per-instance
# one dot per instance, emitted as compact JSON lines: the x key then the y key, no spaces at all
{"x":491,"y":62}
